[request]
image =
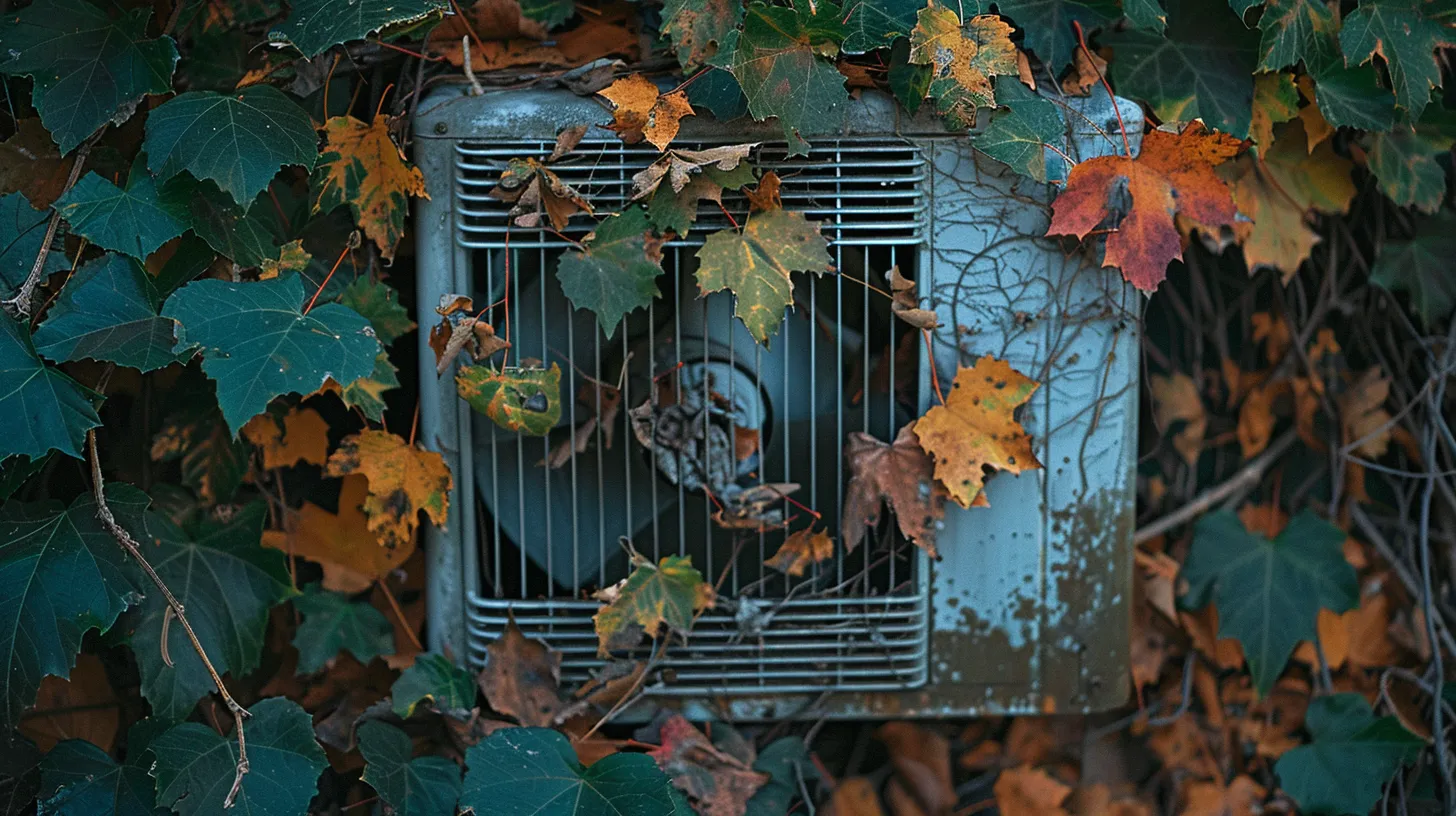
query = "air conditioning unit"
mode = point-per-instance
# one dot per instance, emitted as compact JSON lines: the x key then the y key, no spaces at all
{"x":1028,"y":609}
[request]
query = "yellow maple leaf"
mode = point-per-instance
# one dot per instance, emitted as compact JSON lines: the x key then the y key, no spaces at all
{"x":301,"y":436}
{"x":962,"y":59}
{"x":362,"y":167}
{"x":292,"y":257}
{"x":403,"y":480}
{"x":800,"y":549}
{"x":669,"y":593}
{"x":339,"y":542}
{"x":642,"y":112}
{"x":975,"y":429}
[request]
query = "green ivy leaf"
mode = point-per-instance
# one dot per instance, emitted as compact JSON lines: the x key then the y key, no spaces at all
{"x":257,"y":343}
{"x":535,"y":772}
{"x":1269,"y":593}
{"x":527,"y":400}
{"x":238,"y":140}
{"x":61,"y":575}
{"x":1404,"y":161}
{"x":1047,"y":24}
{"x":195,"y":765}
{"x":1352,"y":756}
{"x":88,"y":68}
{"x":313,"y":26}
{"x":132,"y":221}
{"x":1400,"y":32}
{"x":695,"y":26}
{"x":224,"y":570}
{"x":45,"y":409}
{"x":755,"y":265}
{"x":677,"y":210}
{"x":22,"y":231}
{"x":1018,"y":135}
{"x":786,"y":760}
{"x":1291,"y":29}
{"x":378,"y":303}
{"x":549,"y":13}
{"x":449,"y":688}
{"x":875,"y":24}
{"x":428,"y":786}
{"x":332,"y":623}
{"x":910,"y":83}
{"x":669,"y":593}
{"x":1203,"y":68}
{"x":108,"y":311}
{"x":1422,"y":266}
{"x":611,"y":275}
{"x":245,"y":238}
{"x":80,"y":779}
{"x":1145,"y":14}
{"x":718,"y":92}
{"x":779,"y":48}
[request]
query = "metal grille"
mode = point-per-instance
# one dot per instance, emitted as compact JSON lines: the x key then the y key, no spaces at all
{"x":839,"y":363}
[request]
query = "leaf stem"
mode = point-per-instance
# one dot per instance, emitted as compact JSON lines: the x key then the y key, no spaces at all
{"x":327,"y":278}
{"x":399,"y":613}
{"x":1087,"y":52}
{"x":19,"y":306}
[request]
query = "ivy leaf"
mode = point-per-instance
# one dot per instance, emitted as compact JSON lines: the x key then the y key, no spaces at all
{"x":313,"y":26}
{"x":332,"y":623}
{"x":88,"y":69}
{"x":1401,"y":33}
{"x":1292,"y":29}
{"x":46,"y":409}
{"x":1276,"y":101}
{"x":257,"y":343}
{"x":108,"y":311}
{"x":1270,"y":592}
{"x":362,"y":167}
{"x":696,"y":26}
{"x":908,"y":82}
{"x":875,"y":24}
{"x":434,"y":678}
{"x":1350,"y":759}
{"x":612,"y":274}
{"x":223,"y":570}
{"x":779,"y":48}
{"x":517,"y":399}
{"x":80,"y":779}
{"x":1347,"y":96}
{"x":195,"y":765}
{"x":535,"y":772}
{"x":962,"y":59}
{"x":61,"y":575}
{"x":22,"y":231}
{"x":1404,"y":161}
{"x":755,"y":265}
{"x":238,"y":140}
{"x":1422,"y":266}
{"x":245,"y":238}
{"x":1145,"y":14}
{"x":1202,"y":69}
{"x":549,"y":13}
{"x":669,"y":593}
{"x":378,"y":303}
{"x":132,"y":221}
{"x":428,"y":786}
{"x":1019,"y":131}
{"x":404,"y":480}
{"x":1047,"y":24}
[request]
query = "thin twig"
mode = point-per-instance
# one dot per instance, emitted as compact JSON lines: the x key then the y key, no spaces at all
{"x":103,"y":512}
{"x":1082,"y":43}
{"x":399,"y":613}
{"x":19,"y":306}
{"x":1250,"y":474}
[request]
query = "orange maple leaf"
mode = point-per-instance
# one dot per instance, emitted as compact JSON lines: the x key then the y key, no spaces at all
{"x":403,"y":479}
{"x":642,"y":112}
{"x":1172,"y":176}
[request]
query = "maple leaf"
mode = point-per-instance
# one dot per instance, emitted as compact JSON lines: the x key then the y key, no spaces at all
{"x":642,"y":112}
{"x":403,"y":480}
{"x":1173,"y":176}
{"x":900,"y":474}
{"x":1276,"y":100}
{"x":1421,"y":266}
{"x":1351,"y":757}
{"x":521,"y":678}
{"x":696,"y":26}
{"x":718,"y":781}
{"x":680,"y":167}
{"x":362,"y":167}
{"x":963,"y":60}
{"x":1176,"y":399}
{"x":341,"y":542}
{"x":800,"y":549}
{"x":921,"y":759}
{"x":755,"y":265}
{"x":975,"y":429}
{"x":667,"y":594}
{"x":517,"y":399}
{"x":300,"y":435}
{"x":1406,"y":34}
{"x":533,"y":189}
{"x":459,"y":330}
{"x":612,"y":274}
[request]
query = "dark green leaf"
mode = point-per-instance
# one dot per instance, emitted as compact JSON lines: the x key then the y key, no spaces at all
{"x":612,"y":275}
{"x":195,"y":766}
{"x":1269,"y":593}
{"x":535,"y":772}
{"x":1146,"y":14}
{"x":1019,"y":134}
{"x":776,"y":60}
{"x":449,"y":688}
{"x":1422,"y":266}
{"x":216,"y":60}
{"x":367,"y":393}
{"x":718,"y":92}
{"x":19,"y":775}
{"x":696,"y":26}
{"x":80,"y":779}
{"x":332,"y":623}
{"x":1404,"y":160}
{"x":108,"y":311}
{"x":428,"y":786}
{"x":756,"y":266}
{"x":517,"y":399}
{"x":1203,"y":68}
{"x":213,"y":463}
{"x":378,"y":303}
{"x":61,"y":575}
{"x":549,"y":13}
{"x":191,"y":258}
{"x":908,"y":82}
{"x":88,"y":68}
{"x":14,"y":472}
{"x":315,"y":25}
{"x":247,"y":239}
{"x":227,"y":580}
{"x":786,"y":761}
{"x":257,"y":343}
{"x":1047,"y":24}
{"x":1291,"y":31}
{"x":22,"y":231}
{"x":238,"y":140}
{"x":44,"y":409}
{"x":132,"y":221}
{"x":1351,"y":758}
{"x":872,"y":24}
{"x":1401,"y":33}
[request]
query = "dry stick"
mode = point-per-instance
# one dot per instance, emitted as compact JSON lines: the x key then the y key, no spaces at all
{"x":1402,"y":570}
{"x":103,"y":512}
{"x":19,"y":306}
{"x":399,"y":613}
{"x":1249,"y":475}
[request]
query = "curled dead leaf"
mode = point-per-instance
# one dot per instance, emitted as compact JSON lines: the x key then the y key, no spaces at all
{"x":800,"y":549}
{"x":522,"y":679}
{"x":905,"y":303}
{"x":900,"y":474}
{"x":643,"y":112}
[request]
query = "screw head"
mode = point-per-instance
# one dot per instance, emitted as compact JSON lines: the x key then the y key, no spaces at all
{"x":441,"y":128}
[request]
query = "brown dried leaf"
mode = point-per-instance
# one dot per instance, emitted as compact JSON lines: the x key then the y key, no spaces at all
{"x":340,"y":542}
{"x":900,"y":474}
{"x":1028,"y":791}
{"x":905,"y":304}
{"x":921,"y":759}
{"x":1084,"y":75}
{"x":755,"y":508}
{"x":1176,"y":399}
{"x":719,"y":783}
{"x":679,"y":167}
{"x":1363,"y":415}
{"x":83,"y":707}
{"x":404,"y":480}
{"x":567,"y":140}
{"x":1242,"y":797}
{"x":303,"y":436}
{"x":855,"y":796}
{"x":522,"y":679}
{"x":800,"y":549}
{"x":533,"y":189}
{"x":642,"y":112}
{"x":765,"y":196}
{"x":30,"y":164}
